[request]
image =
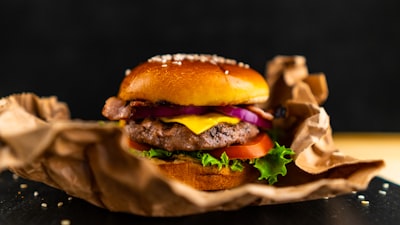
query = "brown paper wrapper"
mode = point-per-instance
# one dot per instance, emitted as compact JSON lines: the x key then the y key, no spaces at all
{"x":91,"y":160}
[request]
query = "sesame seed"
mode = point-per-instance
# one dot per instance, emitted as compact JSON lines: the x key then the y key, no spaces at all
{"x":226,"y":72}
{"x":44,"y":205}
{"x":164,"y":65}
{"x":65,"y":222}
{"x":204,"y":58}
{"x":191,"y":57}
{"x":230,"y":61}
{"x":361,"y":197}
{"x":177,"y":63}
{"x":156,"y":58}
{"x":127,"y":72}
{"x":382,"y":192}
{"x":60,"y":204}
{"x":35,"y":193}
{"x":364,"y":202}
{"x":23,"y":186}
{"x":15,"y":176}
{"x":385,"y":185}
{"x":177,"y":57}
{"x":69,"y":198}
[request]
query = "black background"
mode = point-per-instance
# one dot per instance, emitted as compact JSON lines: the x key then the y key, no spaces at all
{"x":79,"y":50}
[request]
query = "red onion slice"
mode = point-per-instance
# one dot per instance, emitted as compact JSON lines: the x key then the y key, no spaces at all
{"x":244,"y":115}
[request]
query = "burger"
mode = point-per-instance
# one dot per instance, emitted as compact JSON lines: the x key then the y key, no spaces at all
{"x":196,"y":117}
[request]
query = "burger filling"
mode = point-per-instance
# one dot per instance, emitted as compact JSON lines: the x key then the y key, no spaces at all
{"x":223,"y":136}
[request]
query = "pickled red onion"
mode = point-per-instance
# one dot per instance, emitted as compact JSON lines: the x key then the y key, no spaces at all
{"x":244,"y":115}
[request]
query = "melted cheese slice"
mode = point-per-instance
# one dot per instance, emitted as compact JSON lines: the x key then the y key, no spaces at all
{"x":200,"y":123}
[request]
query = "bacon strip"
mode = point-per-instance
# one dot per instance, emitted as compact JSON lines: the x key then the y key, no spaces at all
{"x":260,"y":112}
{"x":116,"y":109}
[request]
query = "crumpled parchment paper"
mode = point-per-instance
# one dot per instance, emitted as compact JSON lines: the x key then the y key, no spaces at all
{"x":91,"y":160}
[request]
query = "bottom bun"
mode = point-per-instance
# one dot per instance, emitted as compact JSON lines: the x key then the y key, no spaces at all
{"x":207,"y":178}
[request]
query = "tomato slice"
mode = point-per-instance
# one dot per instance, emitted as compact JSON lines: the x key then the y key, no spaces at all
{"x":255,"y":148}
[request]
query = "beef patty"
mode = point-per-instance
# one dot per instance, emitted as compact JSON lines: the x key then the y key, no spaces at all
{"x":175,"y":136}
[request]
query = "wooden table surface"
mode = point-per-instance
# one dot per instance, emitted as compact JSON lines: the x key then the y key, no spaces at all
{"x":384,"y":146}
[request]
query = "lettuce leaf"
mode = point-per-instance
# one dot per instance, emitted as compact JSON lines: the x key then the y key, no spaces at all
{"x":234,"y":165}
{"x":209,"y":160}
{"x":157,"y":153}
{"x":274,"y":163}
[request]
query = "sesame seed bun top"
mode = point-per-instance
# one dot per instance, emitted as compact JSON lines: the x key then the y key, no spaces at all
{"x":185,"y":79}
